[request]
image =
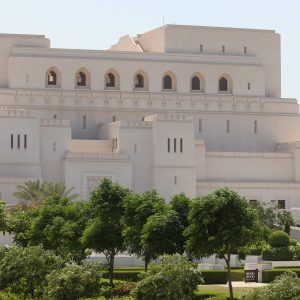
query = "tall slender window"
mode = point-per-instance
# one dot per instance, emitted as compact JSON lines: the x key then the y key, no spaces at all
{"x":201,"y":48}
{"x":223,"y":48}
{"x":175,"y":142}
{"x":139,"y":81}
{"x":169,"y":145}
{"x":195,"y":83}
{"x":181,"y":146}
{"x":19,"y":141}
{"x":84,"y":122}
{"x":223,"y":85}
{"x":255,"y":126}
{"x":175,"y":180}
{"x":54,"y":146}
{"x":228,"y":126}
{"x":135,"y":148}
{"x":11,"y":141}
{"x":249,"y":85}
{"x":25,"y":141}
{"x":80,"y":79}
{"x":200,"y":125}
{"x":245,"y":50}
{"x":110,"y":80}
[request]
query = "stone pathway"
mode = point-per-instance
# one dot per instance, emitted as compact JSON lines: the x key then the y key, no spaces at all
{"x":242,"y":284}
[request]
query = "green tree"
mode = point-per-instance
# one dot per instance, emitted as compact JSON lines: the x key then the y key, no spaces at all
{"x":285,"y":220}
{"x":104,"y":230}
{"x":57,"y":224}
{"x":181,"y":204}
{"x":174,"y":278}
{"x":74,"y":282}
{"x":3,"y":217}
{"x":24,"y":270}
{"x":221,"y":223}
{"x":161,"y":234}
{"x":137,"y":209}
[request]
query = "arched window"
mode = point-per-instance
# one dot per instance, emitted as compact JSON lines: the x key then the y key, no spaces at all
{"x":196,"y":83}
{"x":168,"y":85}
{"x":223,"y":85}
{"x":110,"y":80}
{"x":51,"y":78}
{"x":139,"y":81}
{"x":80,"y":79}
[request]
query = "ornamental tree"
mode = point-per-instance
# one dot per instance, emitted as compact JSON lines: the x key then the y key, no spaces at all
{"x":137,"y":209}
{"x":221,"y":223}
{"x":104,"y":230}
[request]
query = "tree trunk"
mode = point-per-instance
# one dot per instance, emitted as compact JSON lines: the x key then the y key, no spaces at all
{"x":147,"y":261}
{"x":111,"y":267}
{"x":227,"y":260}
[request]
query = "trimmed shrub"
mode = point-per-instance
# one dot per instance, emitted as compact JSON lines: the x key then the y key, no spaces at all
{"x":73,"y":282}
{"x":214,"y":277}
{"x":270,"y":275}
{"x":282,"y":253}
{"x":279,"y":239}
{"x":121,"y":289}
{"x":174,"y":278}
{"x":6,"y":295}
{"x":293,"y":242}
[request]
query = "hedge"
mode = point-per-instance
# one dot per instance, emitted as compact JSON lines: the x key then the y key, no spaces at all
{"x":237,"y":275}
{"x":214,"y":277}
{"x":133,"y":276}
{"x":270,"y":275}
{"x":275,"y":254}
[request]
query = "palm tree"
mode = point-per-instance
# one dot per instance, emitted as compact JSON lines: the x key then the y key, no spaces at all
{"x":33,"y":193}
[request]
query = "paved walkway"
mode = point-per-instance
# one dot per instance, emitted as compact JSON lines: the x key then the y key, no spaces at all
{"x":242,"y":284}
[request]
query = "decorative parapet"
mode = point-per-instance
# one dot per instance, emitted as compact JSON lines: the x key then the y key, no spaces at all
{"x":55,"y":123}
{"x":17,"y":113}
{"x":171,"y":101}
{"x":97,"y":156}
{"x":250,"y":154}
{"x":170,"y":116}
{"x":130,"y":124}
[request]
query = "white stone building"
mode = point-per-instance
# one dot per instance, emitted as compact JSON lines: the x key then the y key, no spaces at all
{"x":176,"y":109}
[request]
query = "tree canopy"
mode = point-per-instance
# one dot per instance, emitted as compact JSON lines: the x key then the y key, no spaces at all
{"x":221,"y":223}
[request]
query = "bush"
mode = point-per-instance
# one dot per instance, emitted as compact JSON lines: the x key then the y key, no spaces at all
{"x":74,"y":282}
{"x":270,"y":275}
{"x":174,"y":278}
{"x":293,"y":242}
{"x":214,"y":277}
{"x":279,"y":239}
{"x":24,"y":270}
{"x":285,"y":287}
{"x":6,"y":295}
{"x":237,"y":275}
{"x":282,"y":253}
{"x":216,"y":298}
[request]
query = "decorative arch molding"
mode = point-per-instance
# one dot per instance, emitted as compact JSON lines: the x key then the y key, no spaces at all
{"x":140,"y":81}
{"x":111,"y":80}
{"x":53,"y":78}
{"x":169,"y":82}
{"x":197,"y":83}
{"x":225,"y":85}
{"x":82,"y":79}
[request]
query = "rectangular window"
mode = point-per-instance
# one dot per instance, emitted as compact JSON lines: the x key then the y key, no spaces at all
{"x":116,"y":143}
{"x":175,"y":142}
{"x":253,"y":201}
{"x":175,"y":180}
{"x":11,"y":141}
{"x":200,"y":125}
{"x":228,"y":126}
{"x":54,"y":146}
{"x":169,"y":145}
{"x":181,"y":146}
{"x":223,"y":48}
{"x":135,"y":148}
{"x":255,"y":126}
{"x":84,"y":122}
{"x":25,"y":141}
{"x":249,"y":86}
{"x":201,"y":48}
{"x":19,"y":141}
{"x":245,"y":50}
{"x":281,"y":204}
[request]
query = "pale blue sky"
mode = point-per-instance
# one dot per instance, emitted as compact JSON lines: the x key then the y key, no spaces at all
{"x":97,"y":24}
